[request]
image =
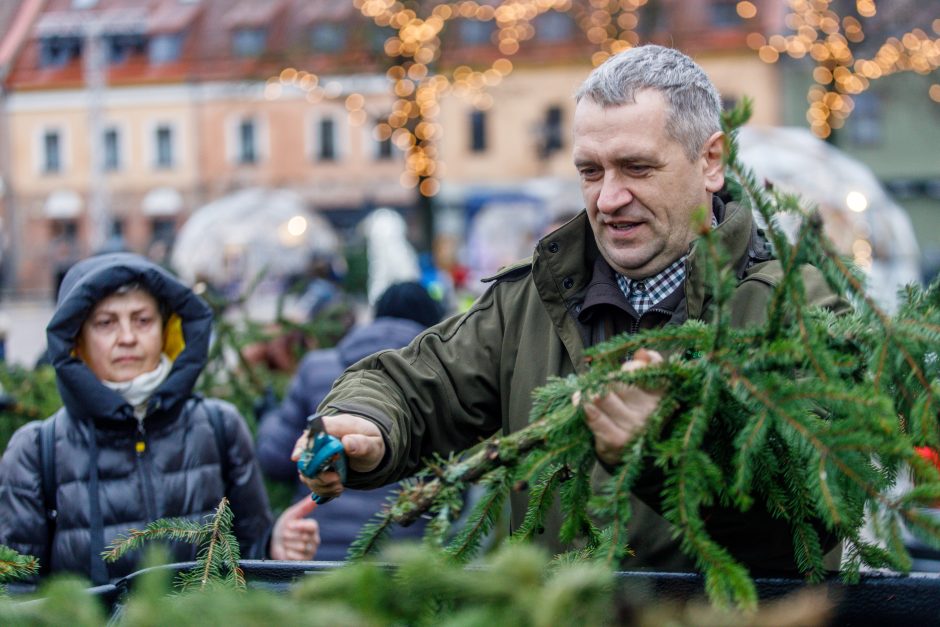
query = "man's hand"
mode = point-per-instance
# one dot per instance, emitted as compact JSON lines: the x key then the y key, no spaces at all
{"x":362,"y":443}
{"x":295,"y":537}
{"x":619,"y":416}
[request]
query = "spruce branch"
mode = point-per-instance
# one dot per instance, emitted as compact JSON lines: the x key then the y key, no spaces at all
{"x":16,"y":567}
{"x":176,"y":529}
{"x":481,"y":521}
{"x":217,"y":559}
{"x":372,"y":536}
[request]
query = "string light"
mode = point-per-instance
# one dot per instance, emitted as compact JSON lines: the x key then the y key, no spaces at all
{"x":839,"y":74}
{"x":416,"y":43}
{"x":609,"y":24}
{"x":818,"y":32}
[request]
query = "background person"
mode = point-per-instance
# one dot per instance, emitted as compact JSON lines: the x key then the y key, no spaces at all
{"x":132,"y":443}
{"x":403,"y":311}
{"x":648,"y":149}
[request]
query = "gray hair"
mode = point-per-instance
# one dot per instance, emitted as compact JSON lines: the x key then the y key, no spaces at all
{"x":695,"y":106}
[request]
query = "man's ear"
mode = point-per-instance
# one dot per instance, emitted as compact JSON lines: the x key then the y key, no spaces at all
{"x":712,"y":162}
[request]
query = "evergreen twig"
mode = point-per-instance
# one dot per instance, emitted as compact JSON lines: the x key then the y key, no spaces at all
{"x":15,"y":566}
{"x":217,"y":559}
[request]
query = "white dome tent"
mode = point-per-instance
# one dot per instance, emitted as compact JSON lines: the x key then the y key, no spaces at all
{"x":251,"y":233}
{"x":858,"y":215}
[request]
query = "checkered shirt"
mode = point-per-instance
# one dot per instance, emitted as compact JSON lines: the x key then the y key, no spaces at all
{"x":642,"y":294}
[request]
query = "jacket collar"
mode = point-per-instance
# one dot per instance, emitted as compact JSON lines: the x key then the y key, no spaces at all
{"x":733,"y":235}
{"x":561,"y":270}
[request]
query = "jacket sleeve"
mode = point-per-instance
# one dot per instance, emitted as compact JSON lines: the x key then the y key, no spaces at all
{"x":280,"y":428}
{"x":439,"y":394}
{"x":22,"y":510}
{"x":244,"y":486}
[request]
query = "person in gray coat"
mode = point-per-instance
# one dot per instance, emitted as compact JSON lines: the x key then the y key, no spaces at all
{"x":403,"y":311}
{"x":132,"y":442}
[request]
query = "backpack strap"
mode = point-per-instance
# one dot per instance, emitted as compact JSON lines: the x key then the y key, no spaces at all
{"x":48,"y":478}
{"x":218,"y":430}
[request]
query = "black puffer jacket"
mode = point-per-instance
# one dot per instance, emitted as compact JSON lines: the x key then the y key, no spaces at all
{"x":104,"y":486}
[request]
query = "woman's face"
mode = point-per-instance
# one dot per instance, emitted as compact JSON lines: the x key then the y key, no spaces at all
{"x":122,"y":337}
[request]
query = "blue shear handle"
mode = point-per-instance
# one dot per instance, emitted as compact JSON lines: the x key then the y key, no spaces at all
{"x":326,"y":453}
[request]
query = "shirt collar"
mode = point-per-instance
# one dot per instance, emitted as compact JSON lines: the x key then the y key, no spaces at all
{"x":646,"y":292}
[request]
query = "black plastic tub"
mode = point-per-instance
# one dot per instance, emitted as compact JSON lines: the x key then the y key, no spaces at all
{"x":877,"y":600}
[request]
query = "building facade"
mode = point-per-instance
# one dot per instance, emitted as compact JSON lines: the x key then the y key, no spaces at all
{"x":125,"y":116}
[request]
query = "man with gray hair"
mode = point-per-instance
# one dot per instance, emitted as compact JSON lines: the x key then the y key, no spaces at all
{"x":648,"y":149}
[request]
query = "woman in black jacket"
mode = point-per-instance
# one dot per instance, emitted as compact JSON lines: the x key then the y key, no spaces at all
{"x":133,"y":443}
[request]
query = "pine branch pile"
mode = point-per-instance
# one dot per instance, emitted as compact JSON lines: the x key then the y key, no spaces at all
{"x":217,"y":560}
{"x":516,"y":585}
{"x":812,"y":415}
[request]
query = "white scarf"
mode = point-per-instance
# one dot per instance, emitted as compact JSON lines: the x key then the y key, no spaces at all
{"x":138,"y":390}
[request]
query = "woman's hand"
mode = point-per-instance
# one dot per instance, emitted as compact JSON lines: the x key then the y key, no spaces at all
{"x":296,"y":537}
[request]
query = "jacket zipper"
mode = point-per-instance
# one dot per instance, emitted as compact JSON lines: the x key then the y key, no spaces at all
{"x":143,"y":467}
{"x":635,"y":327}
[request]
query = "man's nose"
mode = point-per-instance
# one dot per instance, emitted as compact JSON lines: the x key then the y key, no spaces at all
{"x":614,"y":194}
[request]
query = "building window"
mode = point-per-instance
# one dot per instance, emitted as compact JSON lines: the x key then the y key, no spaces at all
{"x":162,"y":229}
{"x":552,"y":138}
{"x":326,"y":144}
{"x":383,"y":149}
{"x":58,"y":51}
{"x":476,"y":32}
{"x":724,"y":14}
{"x":478,"y":131}
{"x":112,"y":150}
{"x":64,"y":230}
{"x":554,"y":26}
{"x":119,"y":48}
{"x":328,"y":37}
{"x":164,"y":147}
{"x":249,"y":42}
{"x":247,"y":142}
{"x":52,"y":152}
{"x":653,"y":19}
{"x":864,"y":126}
{"x":376,"y":36}
{"x":166,"y":48}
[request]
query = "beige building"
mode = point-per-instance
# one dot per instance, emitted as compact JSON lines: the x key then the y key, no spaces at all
{"x":190,"y":100}
{"x":183,"y":107}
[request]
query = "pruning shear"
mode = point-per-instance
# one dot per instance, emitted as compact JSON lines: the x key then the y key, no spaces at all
{"x":323,"y":452}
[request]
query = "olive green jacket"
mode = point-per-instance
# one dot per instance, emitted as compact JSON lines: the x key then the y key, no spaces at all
{"x":473,"y":374}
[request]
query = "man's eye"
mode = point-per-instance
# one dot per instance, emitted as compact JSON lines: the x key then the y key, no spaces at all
{"x":589,"y":173}
{"x":637,"y":170}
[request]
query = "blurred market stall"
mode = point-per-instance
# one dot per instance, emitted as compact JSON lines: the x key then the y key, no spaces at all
{"x":255,"y":234}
